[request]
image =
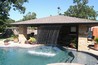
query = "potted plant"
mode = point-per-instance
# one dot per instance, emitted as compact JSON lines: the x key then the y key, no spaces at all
{"x":15,"y":37}
{"x":73,"y":43}
{"x":96,"y":44}
{"x":6,"y":42}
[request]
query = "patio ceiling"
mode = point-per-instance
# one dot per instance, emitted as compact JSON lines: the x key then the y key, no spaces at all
{"x":59,"y":19}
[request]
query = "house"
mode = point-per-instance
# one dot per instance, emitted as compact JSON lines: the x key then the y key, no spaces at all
{"x":59,"y":30}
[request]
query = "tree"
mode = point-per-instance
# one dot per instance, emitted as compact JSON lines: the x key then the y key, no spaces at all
{"x":4,"y":24}
{"x":80,"y":9}
{"x":29,"y":16}
{"x":6,"y":5}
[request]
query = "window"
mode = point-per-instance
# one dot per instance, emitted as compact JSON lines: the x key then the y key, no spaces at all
{"x":73,"y":29}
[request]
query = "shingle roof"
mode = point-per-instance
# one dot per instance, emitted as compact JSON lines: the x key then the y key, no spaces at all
{"x":60,"y":19}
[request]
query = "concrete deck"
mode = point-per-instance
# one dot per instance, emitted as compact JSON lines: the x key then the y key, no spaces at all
{"x":88,"y":47}
{"x":12,"y":44}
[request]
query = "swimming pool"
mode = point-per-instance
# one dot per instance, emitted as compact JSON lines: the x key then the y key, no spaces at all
{"x":43,"y":55}
{"x":32,"y":56}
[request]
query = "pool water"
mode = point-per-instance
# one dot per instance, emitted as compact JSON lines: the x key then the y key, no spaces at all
{"x":33,"y":56}
{"x":44,"y":55}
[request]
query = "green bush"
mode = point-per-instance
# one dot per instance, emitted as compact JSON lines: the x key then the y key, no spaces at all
{"x":96,"y":40}
{"x":32,"y":39}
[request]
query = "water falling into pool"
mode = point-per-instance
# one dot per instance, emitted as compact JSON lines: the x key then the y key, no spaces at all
{"x":48,"y":34}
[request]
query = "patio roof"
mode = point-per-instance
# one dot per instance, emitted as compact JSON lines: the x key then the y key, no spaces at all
{"x":59,"y":19}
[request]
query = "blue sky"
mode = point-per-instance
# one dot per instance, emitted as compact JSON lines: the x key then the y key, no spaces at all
{"x":45,"y":8}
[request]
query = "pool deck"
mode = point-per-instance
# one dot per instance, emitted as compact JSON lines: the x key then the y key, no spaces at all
{"x":12,"y":44}
{"x":88,"y":47}
{"x":85,"y":47}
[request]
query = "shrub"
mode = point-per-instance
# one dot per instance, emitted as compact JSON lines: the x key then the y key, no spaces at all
{"x":96,"y":40}
{"x":32,"y":39}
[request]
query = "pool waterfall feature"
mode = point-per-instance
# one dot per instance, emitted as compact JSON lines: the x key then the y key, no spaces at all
{"x":58,"y":35}
{"x":48,"y":34}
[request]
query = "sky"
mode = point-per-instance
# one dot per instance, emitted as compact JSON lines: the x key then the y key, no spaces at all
{"x":45,"y":8}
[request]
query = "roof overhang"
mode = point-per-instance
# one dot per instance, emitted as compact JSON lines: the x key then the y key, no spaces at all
{"x":55,"y":20}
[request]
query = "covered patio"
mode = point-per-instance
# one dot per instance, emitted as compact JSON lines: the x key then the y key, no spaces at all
{"x":58,"y":30}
